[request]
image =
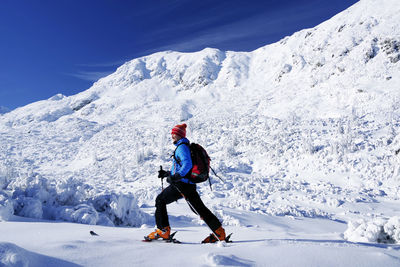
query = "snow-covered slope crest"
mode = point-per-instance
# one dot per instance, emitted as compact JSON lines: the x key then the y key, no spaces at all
{"x":307,"y":126}
{"x":330,"y":66}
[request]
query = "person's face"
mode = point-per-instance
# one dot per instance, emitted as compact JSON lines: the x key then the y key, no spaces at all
{"x":175,"y":138}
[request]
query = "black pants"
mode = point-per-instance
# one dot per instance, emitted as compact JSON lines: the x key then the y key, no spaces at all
{"x":171,"y":194}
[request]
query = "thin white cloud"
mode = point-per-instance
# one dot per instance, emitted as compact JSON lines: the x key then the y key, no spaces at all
{"x":4,"y":109}
{"x":103,"y":64}
{"x":238,"y":30}
{"x":90,"y":75}
{"x":257,"y":25}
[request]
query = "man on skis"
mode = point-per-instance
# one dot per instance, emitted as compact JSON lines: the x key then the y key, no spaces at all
{"x":181,"y":186}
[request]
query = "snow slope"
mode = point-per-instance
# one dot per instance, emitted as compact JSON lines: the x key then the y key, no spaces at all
{"x":268,"y":241}
{"x":303,"y":128}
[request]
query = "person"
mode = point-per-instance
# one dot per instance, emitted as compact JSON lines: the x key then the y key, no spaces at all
{"x":181,"y":186}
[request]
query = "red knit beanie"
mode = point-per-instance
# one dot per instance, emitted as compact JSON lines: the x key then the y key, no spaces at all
{"x":179,"y":130}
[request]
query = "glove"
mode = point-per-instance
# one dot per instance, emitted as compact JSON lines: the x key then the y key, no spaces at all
{"x":173,"y":178}
{"x":163,"y":174}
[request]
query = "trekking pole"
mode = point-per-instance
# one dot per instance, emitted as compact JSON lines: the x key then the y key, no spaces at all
{"x":195,"y":211}
{"x":190,"y":205}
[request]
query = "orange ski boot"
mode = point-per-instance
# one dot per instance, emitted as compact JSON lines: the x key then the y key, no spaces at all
{"x":220,"y":232}
{"x":163,"y":233}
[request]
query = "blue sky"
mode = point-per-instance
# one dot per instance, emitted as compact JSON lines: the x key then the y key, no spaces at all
{"x":63,"y":46}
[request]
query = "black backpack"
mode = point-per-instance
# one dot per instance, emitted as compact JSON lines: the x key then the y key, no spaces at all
{"x":200,"y":171}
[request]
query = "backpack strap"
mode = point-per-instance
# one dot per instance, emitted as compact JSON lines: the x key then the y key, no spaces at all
{"x":179,"y":162}
{"x":173,"y":155}
{"x":217,"y":175}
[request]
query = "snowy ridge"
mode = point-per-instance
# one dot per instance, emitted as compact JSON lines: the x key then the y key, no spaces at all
{"x":306,"y":127}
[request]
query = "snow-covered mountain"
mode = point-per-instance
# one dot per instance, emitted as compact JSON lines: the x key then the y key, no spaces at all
{"x":306,"y":127}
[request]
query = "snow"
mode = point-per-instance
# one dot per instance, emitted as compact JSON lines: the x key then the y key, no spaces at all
{"x":264,"y":241}
{"x":378,"y":230}
{"x":304,"y":133}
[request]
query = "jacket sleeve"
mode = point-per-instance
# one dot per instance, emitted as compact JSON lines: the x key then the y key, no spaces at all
{"x":183,"y":155}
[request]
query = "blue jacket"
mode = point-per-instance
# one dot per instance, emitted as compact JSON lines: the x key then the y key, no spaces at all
{"x":182,"y":161}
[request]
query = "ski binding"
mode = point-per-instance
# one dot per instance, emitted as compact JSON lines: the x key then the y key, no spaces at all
{"x":171,"y":239}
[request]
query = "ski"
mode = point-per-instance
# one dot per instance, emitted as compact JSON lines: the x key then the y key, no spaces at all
{"x":171,"y":239}
{"x":228,"y":238}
